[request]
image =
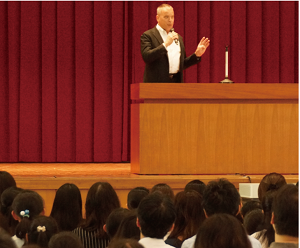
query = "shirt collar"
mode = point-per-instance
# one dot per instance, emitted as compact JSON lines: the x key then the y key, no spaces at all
{"x":160,"y":29}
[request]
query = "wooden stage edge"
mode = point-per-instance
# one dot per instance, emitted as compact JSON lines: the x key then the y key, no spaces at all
{"x":46,"y":178}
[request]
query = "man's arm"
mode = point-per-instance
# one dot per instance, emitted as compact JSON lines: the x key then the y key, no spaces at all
{"x":196,"y":57}
{"x":149,"y":53}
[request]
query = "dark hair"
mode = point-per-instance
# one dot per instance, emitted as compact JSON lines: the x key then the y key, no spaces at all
{"x":267,"y":203}
{"x":254,"y":221}
{"x":6,"y":240}
{"x":156,"y":214}
{"x":189,"y":212}
{"x":165,"y":189}
{"x":222,"y":231}
{"x":114,"y":220}
{"x":7,"y":221}
{"x":41,"y":230}
{"x":128,"y":228}
{"x":249,"y":206}
{"x":67,"y":207}
{"x":221,"y":197}
{"x":135,"y":196}
{"x":30,"y":201}
{"x":6,"y":181}
{"x":197,"y":185}
{"x":124,"y":243}
{"x":285,"y":209}
{"x":65,"y":239}
{"x":100,"y":202}
{"x":272,"y":181}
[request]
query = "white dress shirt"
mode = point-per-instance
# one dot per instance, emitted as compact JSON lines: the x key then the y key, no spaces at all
{"x":154,"y":243}
{"x":173,"y":52}
{"x":189,"y":243}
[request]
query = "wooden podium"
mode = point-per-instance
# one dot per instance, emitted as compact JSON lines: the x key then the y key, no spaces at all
{"x":197,"y":128}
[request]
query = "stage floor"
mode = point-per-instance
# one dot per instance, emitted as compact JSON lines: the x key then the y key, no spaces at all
{"x":46,"y":178}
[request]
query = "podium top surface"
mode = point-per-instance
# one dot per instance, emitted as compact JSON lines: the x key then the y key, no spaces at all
{"x":212,"y":91}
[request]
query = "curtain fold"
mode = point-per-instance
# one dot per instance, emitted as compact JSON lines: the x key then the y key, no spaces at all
{"x":66,"y":67}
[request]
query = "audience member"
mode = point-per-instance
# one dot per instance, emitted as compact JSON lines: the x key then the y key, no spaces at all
{"x":128,"y":228}
{"x":26,"y":206}
{"x":65,"y":239}
{"x":7,"y":221}
{"x":135,"y":196}
{"x":285,"y":217}
{"x":6,"y":181}
{"x":272,"y":181}
{"x":5,"y":240}
{"x":220,"y":197}
{"x":254,"y":221}
{"x":100,"y":202}
{"x":124,"y":243}
{"x":267,"y":235}
{"x":41,"y":230}
{"x":222,"y":231}
{"x":156,"y":217}
{"x":189,"y":216}
{"x":197,"y":185}
{"x":249,"y":206}
{"x":67,"y":207}
{"x":165,"y":189}
{"x":114,"y":220}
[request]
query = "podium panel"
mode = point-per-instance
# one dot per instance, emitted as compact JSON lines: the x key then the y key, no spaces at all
{"x":214,"y":135}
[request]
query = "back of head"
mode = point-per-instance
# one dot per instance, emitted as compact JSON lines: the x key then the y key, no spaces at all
{"x":249,"y":206}
{"x":156,"y":215}
{"x":197,"y":185}
{"x":100,"y":202}
{"x":7,"y":198}
{"x":128,"y":228}
{"x":65,"y":240}
{"x":222,"y":231}
{"x":272,"y":181}
{"x":135,"y":196}
{"x":163,"y":188}
{"x":254,"y":221}
{"x":124,"y":243}
{"x":6,"y":240}
{"x":6,"y":181}
{"x":285,"y":209}
{"x":41,"y":230}
{"x":114,"y":220}
{"x":27,"y":205}
{"x":67,"y":207}
{"x":189,"y":212}
{"x":221,"y":197}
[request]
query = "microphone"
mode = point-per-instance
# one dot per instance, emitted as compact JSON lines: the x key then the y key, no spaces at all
{"x":176,"y":40}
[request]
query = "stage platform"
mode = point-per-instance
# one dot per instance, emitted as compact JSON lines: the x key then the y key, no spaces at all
{"x":46,"y":178}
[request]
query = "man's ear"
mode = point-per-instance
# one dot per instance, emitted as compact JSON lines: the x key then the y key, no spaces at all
{"x":138,"y":223}
{"x":240,"y":207}
{"x":15,"y":216}
{"x":172,"y":227}
{"x":272,"y":219}
{"x":206,"y":216}
{"x":104,"y":228}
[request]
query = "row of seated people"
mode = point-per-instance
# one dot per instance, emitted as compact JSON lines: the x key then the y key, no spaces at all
{"x":201,"y":216}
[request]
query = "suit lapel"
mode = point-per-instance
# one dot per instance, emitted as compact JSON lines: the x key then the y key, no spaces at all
{"x":156,"y":34}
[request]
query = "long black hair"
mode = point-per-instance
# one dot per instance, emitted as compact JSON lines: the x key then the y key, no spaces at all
{"x":67,"y":207}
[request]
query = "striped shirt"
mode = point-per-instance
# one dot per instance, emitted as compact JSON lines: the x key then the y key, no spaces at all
{"x":89,"y":240}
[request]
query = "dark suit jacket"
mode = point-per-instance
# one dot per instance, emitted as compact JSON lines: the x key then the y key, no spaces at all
{"x":155,"y":56}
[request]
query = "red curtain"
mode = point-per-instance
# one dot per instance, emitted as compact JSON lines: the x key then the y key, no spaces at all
{"x":66,"y":67}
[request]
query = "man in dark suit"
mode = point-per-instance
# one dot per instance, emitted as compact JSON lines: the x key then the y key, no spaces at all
{"x":163,"y":50}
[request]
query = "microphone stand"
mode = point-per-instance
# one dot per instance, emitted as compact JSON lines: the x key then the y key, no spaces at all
{"x":226,"y":80}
